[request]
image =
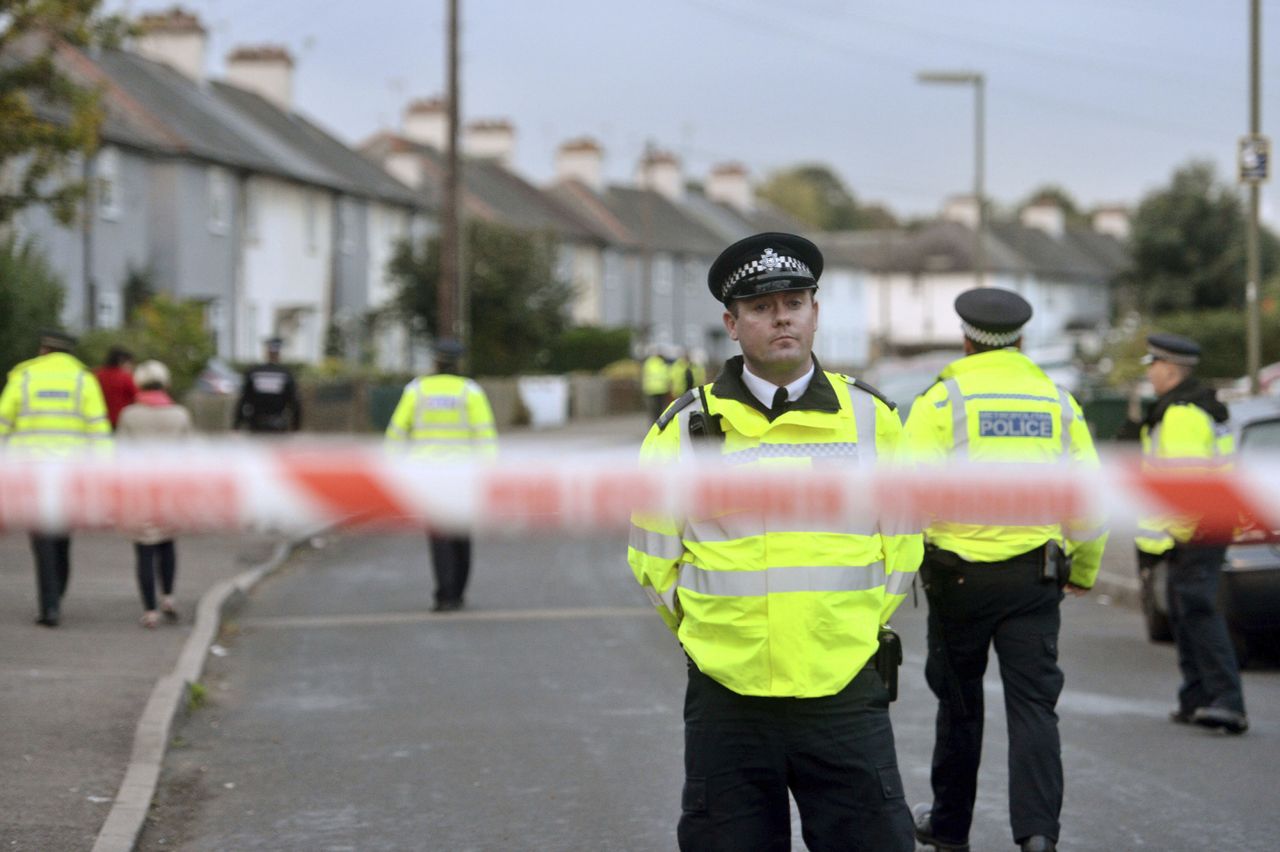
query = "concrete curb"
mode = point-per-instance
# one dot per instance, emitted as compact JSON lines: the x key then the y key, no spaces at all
{"x":151,"y":738}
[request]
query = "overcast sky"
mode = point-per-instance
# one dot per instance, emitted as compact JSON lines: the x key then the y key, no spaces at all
{"x":1103,"y":97}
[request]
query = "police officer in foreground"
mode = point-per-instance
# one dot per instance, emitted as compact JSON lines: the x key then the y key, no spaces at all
{"x":1187,"y":422}
{"x":269,"y":396}
{"x":441,"y":417}
{"x":780,"y":621}
{"x":998,"y":585}
{"x":52,"y":407}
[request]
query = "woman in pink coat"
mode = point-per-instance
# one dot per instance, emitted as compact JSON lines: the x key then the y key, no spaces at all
{"x":157,"y":418}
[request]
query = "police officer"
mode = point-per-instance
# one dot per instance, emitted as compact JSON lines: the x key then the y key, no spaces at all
{"x":52,"y":407}
{"x":998,"y":584}
{"x":269,"y":396}
{"x":1188,"y":422}
{"x":780,"y":621}
{"x":445,"y":416}
{"x":681,"y":377}
{"x":655,"y":382}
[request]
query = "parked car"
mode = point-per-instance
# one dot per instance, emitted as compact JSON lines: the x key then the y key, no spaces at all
{"x":218,"y":378}
{"x":1249,"y":589}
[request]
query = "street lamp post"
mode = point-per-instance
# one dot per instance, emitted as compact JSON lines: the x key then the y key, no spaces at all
{"x":975,"y":79}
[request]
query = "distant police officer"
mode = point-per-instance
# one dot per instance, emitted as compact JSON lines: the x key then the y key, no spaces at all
{"x":655,"y":382}
{"x":998,"y":584}
{"x":1188,"y":423}
{"x":52,"y":407}
{"x":780,"y":621}
{"x":269,"y":396}
{"x":445,"y":416}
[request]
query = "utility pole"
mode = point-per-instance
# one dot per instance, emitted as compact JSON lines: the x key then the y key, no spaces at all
{"x":1257,"y":155}
{"x":646,"y":250}
{"x":447,"y":288}
{"x":978,"y":81}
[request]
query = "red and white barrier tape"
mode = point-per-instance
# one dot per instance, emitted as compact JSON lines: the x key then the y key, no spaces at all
{"x":297,"y":487}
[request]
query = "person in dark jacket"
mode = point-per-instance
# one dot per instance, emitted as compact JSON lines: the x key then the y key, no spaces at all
{"x":269,"y":396}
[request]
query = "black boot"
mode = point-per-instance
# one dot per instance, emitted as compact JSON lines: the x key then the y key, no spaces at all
{"x":924,"y":832}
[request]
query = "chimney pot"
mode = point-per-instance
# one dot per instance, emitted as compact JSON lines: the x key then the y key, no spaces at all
{"x":266,"y":70}
{"x":176,"y":38}
{"x":581,"y":159}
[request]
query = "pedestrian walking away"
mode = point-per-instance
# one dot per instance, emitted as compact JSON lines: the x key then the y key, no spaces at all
{"x":780,"y":623}
{"x":988,"y":584}
{"x":115,"y":377}
{"x":52,"y":407}
{"x":1188,"y":425}
{"x":154,"y":418}
{"x":440,"y":417}
{"x":269,"y":396}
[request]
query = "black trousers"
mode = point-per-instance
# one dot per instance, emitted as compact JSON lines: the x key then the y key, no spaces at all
{"x":1210,"y":673}
{"x":154,"y":560}
{"x":53,"y":570}
{"x":972,"y":606}
{"x":835,"y":754}
{"x":451,"y":562}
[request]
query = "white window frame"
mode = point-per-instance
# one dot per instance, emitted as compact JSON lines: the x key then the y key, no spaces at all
{"x":218,"y":182}
{"x":107,"y":172}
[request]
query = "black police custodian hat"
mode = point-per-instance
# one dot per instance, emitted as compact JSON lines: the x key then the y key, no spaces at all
{"x":448,"y":348}
{"x":765,"y":263}
{"x":992,"y":316}
{"x":1173,"y":348}
{"x":57,"y":340}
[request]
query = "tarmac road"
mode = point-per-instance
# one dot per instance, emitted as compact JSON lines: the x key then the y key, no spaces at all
{"x":547,"y":716}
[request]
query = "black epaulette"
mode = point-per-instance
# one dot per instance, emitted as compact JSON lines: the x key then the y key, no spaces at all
{"x":685,"y":400}
{"x":861,"y":385}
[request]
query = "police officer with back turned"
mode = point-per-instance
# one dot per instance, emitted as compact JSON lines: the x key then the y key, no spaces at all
{"x":780,"y":620}
{"x":269,"y":396}
{"x":999,"y":585}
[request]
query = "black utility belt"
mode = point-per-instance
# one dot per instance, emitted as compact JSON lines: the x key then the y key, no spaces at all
{"x":1048,"y":562}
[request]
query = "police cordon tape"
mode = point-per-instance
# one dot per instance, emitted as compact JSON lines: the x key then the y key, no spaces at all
{"x":293,"y":487}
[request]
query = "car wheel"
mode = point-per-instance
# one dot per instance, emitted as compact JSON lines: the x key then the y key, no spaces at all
{"x":1158,"y":627}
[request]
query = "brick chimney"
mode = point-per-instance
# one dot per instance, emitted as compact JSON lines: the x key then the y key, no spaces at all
{"x":266,"y":70}
{"x":490,"y":140}
{"x":1045,"y":215}
{"x":175,"y":37}
{"x":426,"y":121}
{"x":728,"y":183}
{"x":660,"y":172}
{"x":1113,"y":220}
{"x":581,"y":160}
{"x":962,"y":209}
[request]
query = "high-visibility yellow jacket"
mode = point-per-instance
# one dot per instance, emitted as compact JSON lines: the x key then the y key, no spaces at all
{"x":699,"y":373}
{"x":655,"y":379}
{"x":1185,"y":431}
{"x":679,"y":377}
{"x":763,"y":606}
{"x":443,"y":417}
{"x":52,"y":406}
{"x":998,"y":406}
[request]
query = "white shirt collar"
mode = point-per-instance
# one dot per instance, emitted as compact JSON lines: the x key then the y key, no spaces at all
{"x":764,"y":390}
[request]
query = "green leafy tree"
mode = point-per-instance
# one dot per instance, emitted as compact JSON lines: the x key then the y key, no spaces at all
{"x":1188,"y":244}
{"x":31,"y":299}
{"x":816,"y":195}
{"x":46,"y":116}
{"x":589,"y":348}
{"x":166,"y":329}
{"x":518,"y":306}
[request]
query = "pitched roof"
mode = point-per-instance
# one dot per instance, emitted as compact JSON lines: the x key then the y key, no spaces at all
{"x":489,"y":190}
{"x":639,"y":217}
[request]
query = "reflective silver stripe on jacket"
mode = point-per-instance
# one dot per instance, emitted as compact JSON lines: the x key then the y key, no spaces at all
{"x":1082,"y":534}
{"x":864,"y":418}
{"x":899,"y":582}
{"x":839,"y":449}
{"x":805,"y":578}
{"x":739,"y":525}
{"x":1066,"y":418}
{"x":655,"y":543}
{"x":959,"y":419}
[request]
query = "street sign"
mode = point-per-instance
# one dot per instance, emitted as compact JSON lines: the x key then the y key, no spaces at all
{"x":1255,"y":158}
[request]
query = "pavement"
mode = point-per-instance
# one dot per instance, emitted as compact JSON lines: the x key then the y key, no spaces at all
{"x":87,"y":707}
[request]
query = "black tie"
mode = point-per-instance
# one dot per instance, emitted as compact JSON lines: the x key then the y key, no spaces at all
{"x":779,"y":399}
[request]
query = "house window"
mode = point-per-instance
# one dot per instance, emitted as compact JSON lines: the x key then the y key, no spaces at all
{"x":311,"y":222}
{"x":346,"y":225}
{"x":219,"y":201}
{"x":109,"y":202}
{"x":251,"y":201}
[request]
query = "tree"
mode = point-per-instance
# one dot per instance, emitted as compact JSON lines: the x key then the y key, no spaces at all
{"x":518,"y":306}
{"x":815,"y":195}
{"x":1188,"y":244}
{"x":30,"y":300}
{"x":46,"y":117}
{"x":163,"y":328}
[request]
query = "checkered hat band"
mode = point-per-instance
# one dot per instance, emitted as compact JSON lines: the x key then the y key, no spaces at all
{"x":990,"y":338}
{"x":757,"y":267}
